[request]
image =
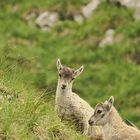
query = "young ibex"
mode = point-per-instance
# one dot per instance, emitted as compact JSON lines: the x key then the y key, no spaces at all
{"x":113,"y":127}
{"x":69,"y":105}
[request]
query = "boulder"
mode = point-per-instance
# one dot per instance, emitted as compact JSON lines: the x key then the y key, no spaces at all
{"x":47,"y":19}
{"x":89,"y":8}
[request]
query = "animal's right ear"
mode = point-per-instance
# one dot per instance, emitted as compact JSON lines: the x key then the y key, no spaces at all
{"x":59,"y":65}
{"x":78,"y":71}
{"x":110,"y":103}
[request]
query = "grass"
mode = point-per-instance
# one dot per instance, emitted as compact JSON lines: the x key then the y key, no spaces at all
{"x":29,"y":76}
{"x":29,"y":114}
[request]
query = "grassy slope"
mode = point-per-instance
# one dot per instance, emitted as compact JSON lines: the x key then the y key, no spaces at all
{"x":28,"y":58}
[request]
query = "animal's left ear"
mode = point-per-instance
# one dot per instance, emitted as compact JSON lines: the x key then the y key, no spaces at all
{"x":110,"y":103}
{"x":78,"y":71}
{"x":59,"y":65}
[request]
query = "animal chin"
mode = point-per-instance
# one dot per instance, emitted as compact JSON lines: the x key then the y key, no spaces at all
{"x":63,"y":88}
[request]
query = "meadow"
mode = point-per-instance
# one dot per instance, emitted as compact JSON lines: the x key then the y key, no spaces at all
{"x":28,"y":74}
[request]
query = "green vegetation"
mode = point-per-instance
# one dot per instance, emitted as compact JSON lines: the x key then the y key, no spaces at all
{"x":28,"y":74}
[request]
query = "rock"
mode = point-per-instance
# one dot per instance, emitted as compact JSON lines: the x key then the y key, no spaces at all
{"x":108,"y":39}
{"x":78,"y":18}
{"x":47,"y":20}
{"x":127,"y":3}
{"x":89,"y":8}
{"x":135,"y":4}
{"x":137,"y":13}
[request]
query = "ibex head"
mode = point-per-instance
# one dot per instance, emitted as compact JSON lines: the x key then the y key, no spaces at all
{"x":101,"y":112}
{"x":67,"y":75}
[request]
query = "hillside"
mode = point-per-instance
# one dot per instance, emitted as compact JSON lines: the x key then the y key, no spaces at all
{"x":28,"y":74}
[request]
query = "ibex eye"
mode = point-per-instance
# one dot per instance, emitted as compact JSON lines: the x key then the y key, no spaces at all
{"x":99,"y":111}
{"x":60,"y":75}
{"x":72,"y":79}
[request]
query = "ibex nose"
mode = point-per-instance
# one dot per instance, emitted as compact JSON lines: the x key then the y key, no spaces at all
{"x":63,"y":86}
{"x":91,"y":122}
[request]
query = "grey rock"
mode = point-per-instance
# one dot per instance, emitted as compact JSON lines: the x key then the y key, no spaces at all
{"x":78,"y":18}
{"x":89,"y":8}
{"x":47,"y":20}
{"x":108,"y":39}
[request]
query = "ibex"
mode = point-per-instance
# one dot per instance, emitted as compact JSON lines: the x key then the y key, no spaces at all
{"x":69,"y":105}
{"x":113,"y":127}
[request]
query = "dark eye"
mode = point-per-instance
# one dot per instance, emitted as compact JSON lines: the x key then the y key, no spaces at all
{"x":60,"y":75}
{"x":99,"y":111}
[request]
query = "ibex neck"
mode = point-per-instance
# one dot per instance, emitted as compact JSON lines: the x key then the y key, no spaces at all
{"x":62,"y":95}
{"x":64,"y":92}
{"x":114,"y":122}
{"x":114,"y":118}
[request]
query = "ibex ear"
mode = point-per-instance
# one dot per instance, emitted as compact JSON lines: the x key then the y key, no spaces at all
{"x":78,"y":71}
{"x":110,"y":103}
{"x":59,"y":65}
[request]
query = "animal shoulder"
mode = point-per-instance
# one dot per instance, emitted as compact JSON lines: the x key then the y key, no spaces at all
{"x":78,"y":99}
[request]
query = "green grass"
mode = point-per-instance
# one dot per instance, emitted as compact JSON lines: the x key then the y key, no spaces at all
{"x":28,"y":66}
{"x":27,"y":114}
